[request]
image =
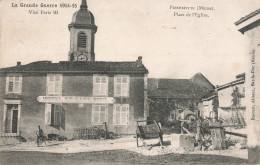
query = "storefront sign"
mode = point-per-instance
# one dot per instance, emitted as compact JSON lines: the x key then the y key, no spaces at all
{"x":76,"y":99}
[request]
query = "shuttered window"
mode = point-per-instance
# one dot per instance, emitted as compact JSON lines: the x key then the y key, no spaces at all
{"x":14,"y":84}
{"x":121,"y":85}
{"x":82,"y":40}
{"x":100,"y":85}
{"x":99,"y":114}
{"x":53,"y":114}
{"x":121,"y":114}
{"x":54,"y":84}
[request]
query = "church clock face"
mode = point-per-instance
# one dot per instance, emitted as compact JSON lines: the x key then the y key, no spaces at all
{"x":82,"y":58}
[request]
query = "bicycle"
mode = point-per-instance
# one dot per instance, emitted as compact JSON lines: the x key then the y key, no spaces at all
{"x":40,"y":139}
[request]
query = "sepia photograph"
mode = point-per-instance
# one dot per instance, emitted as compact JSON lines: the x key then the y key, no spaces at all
{"x":129,"y":82}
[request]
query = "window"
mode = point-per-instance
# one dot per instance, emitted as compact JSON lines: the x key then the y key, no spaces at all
{"x":121,"y":85}
{"x":54,"y":84}
{"x":14,"y":84}
{"x":82,"y":40}
{"x":100,"y":85}
{"x":99,"y":114}
{"x":53,"y":114}
{"x":121,"y":114}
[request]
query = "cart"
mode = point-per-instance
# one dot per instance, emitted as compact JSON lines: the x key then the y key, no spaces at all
{"x":148,"y":132}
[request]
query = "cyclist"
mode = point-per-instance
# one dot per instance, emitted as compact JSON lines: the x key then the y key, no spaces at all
{"x":40,"y":136}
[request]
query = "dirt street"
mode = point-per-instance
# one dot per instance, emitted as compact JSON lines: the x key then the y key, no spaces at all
{"x":118,"y":151}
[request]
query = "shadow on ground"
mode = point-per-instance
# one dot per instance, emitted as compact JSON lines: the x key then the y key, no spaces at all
{"x":111,"y":157}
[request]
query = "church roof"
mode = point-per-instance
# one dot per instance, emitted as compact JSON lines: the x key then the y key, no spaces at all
{"x":83,"y":17}
{"x":78,"y":67}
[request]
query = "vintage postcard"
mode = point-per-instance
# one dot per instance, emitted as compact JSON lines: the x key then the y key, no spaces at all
{"x":129,"y":82}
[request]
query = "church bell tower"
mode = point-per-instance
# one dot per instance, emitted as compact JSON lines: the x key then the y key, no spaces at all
{"x":82,"y":35}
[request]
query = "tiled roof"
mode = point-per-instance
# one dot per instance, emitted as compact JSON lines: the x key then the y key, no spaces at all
{"x":243,"y":19}
{"x":175,"y":88}
{"x":240,"y":80}
{"x":79,"y":67}
{"x":210,"y":96}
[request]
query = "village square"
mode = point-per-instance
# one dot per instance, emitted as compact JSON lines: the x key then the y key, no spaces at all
{"x":88,"y":111}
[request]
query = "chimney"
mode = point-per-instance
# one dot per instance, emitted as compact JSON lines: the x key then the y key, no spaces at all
{"x":139,"y":62}
{"x":18,"y":63}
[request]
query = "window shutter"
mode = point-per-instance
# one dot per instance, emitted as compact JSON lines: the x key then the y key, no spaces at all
{"x":48,"y":114}
{"x":102,"y":89}
{"x":93,"y":111}
{"x":106,"y":114}
{"x":106,"y":91}
{"x":102,"y":114}
{"x":131,"y":111}
{"x":94,"y":85}
{"x":115,"y":87}
{"x":114,"y":114}
{"x":118,"y":90}
{"x":20,"y":84}
{"x":16,"y":86}
{"x":95,"y":114}
{"x":123,"y":115}
{"x":127,"y":115}
{"x":124,"y":90}
{"x":61,"y":80}
{"x":62,"y":124}
{"x":57,"y":114}
{"x":50,"y":84}
{"x":60,"y":114}
{"x":7,"y":84}
{"x":56,"y":87}
{"x":128,"y":86}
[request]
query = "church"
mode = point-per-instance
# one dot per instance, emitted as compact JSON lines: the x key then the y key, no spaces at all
{"x":77,"y":93}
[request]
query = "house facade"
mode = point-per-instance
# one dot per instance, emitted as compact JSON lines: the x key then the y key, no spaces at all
{"x":77,"y":93}
{"x":208,"y":102}
{"x":179,"y":96}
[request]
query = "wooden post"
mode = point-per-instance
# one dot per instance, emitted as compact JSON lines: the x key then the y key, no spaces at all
{"x":218,"y":136}
{"x":198,"y":136}
{"x":136,"y":134}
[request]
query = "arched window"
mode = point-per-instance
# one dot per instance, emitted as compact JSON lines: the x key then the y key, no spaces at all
{"x":82,"y":40}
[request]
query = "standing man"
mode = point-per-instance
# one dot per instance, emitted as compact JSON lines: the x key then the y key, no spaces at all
{"x":40,"y":136}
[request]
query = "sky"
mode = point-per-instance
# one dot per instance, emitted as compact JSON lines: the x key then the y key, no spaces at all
{"x":171,"y":46}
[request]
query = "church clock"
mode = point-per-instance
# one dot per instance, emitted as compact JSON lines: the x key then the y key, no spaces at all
{"x":82,"y":58}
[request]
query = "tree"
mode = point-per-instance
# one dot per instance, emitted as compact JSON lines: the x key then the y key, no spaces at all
{"x":236,"y":104}
{"x":160,"y":110}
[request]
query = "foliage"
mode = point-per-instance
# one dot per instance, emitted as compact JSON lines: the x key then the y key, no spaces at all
{"x":160,"y":110}
{"x":236,"y":98}
{"x":215,"y":104}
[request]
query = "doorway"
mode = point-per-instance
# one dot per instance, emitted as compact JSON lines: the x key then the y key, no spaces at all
{"x":11,"y":124}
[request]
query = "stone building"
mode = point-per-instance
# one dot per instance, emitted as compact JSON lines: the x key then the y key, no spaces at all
{"x":77,"y":93}
{"x":178,"y":95}
{"x":249,"y":26}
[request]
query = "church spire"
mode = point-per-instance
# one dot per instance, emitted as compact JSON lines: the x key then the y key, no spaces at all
{"x":83,"y":4}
